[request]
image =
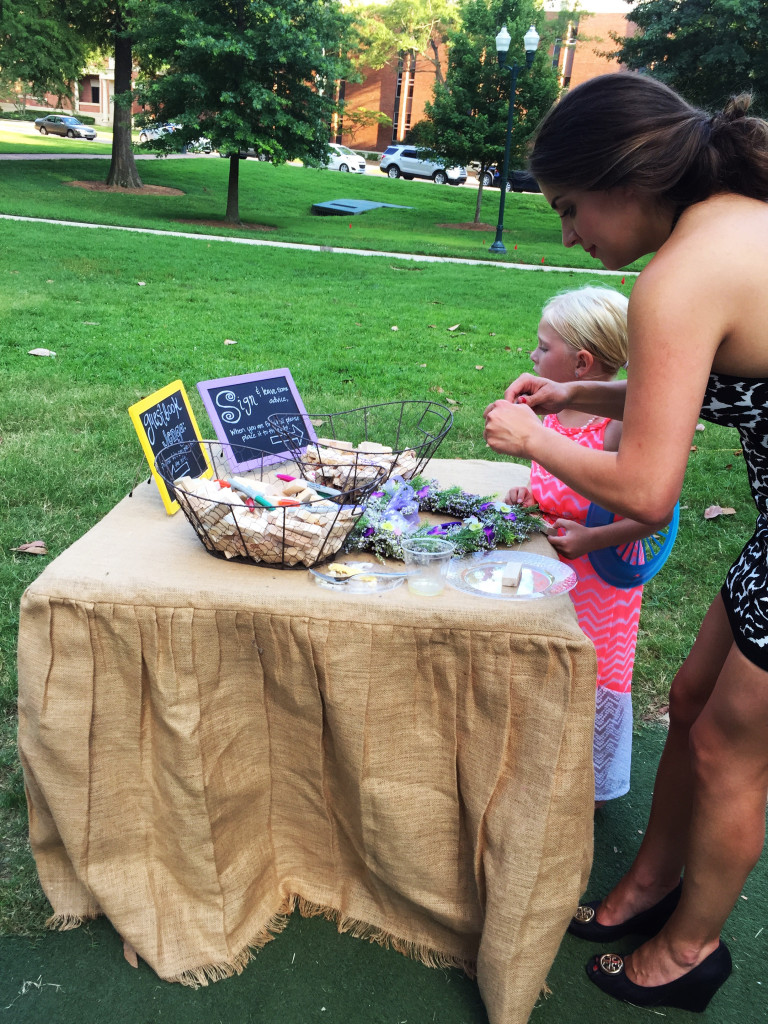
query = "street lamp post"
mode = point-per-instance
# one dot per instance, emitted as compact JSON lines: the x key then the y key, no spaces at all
{"x":531,"y":42}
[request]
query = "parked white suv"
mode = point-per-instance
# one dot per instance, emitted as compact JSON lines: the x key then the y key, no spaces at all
{"x":406,"y":162}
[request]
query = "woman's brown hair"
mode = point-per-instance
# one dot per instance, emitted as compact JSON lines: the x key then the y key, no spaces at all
{"x":627,"y":129}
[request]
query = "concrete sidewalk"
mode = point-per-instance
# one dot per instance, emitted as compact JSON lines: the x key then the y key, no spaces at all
{"x":339,"y":250}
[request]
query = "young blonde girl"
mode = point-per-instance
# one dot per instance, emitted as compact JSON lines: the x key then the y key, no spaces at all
{"x":582,"y":335}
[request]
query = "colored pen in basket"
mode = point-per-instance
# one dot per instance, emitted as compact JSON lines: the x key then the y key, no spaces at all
{"x":322,"y":490}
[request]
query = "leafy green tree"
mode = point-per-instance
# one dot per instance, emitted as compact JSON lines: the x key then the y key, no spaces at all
{"x":467,"y":118}
{"x":63,"y":32}
{"x":707,"y":50}
{"x":245,"y":73}
{"x":39,"y":50}
{"x":384,"y":30}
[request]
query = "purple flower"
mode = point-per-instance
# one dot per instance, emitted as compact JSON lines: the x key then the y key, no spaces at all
{"x":437,"y":530}
{"x":511,"y":517}
{"x":488,"y":531}
{"x":482,"y":508}
{"x":377,"y":494}
{"x":423,"y":493}
{"x":369,"y":531}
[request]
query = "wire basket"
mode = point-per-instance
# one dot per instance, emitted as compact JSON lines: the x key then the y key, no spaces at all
{"x":266,"y":516}
{"x":394,"y":437}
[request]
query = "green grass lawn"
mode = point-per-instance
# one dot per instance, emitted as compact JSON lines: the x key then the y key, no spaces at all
{"x":69,"y":451}
{"x":275,"y":203}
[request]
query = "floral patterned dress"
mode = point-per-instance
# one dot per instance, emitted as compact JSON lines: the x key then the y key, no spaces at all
{"x":743,"y":403}
{"x":608,"y":615}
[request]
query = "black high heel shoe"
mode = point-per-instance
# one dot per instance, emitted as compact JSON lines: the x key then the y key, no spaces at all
{"x":692,"y":991}
{"x":648,"y":922}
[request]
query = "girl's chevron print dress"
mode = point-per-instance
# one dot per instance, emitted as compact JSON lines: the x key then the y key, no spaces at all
{"x":609,"y":617}
{"x":743,"y":403}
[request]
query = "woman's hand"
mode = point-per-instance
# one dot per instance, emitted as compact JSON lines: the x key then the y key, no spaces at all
{"x":509,"y":428}
{"x":519,"y":496}
{"x":545,"y":396}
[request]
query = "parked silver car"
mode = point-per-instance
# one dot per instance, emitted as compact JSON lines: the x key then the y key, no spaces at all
{"x":406,"y":162}
{"x":155,"y":131}
{"x":342,"y":158}
{"x":62,"y":124}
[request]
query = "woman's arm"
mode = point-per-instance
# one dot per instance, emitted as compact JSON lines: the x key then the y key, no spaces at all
{"x":600,"y":398}
{"x":677,"y":319}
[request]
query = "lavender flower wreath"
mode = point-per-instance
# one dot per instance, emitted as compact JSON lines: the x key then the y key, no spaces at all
{"x":393,"y":513}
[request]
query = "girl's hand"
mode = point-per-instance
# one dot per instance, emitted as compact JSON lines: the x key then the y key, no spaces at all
{"x":573,"y":540}
{"x":519,"y":496}
{"x":545,"y":396}
{"x":509,"y":428}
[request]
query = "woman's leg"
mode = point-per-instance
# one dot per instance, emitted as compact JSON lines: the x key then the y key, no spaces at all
{"x":729,"y":756}
{"x":659,"y":861}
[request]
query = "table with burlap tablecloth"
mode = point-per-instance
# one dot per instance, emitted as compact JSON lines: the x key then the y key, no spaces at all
{"x":208,"y":744}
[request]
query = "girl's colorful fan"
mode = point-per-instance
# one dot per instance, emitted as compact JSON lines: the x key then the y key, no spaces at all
{"x":632,"y":564}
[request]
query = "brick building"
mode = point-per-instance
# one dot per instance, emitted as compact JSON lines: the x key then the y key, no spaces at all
{"x":401,"y":88}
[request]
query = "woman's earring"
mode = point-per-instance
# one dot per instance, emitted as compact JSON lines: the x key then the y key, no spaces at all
{"x":577,"y":375}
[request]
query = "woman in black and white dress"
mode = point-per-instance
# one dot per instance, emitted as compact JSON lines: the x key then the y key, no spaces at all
{"x":631,"y":169}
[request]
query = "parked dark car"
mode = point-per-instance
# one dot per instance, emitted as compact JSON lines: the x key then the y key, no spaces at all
{"x":62,"y":124}
{"x":245,"y":153}
{"x":517,"y":181}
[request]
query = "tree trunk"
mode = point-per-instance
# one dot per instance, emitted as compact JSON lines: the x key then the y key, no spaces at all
{"x":436,"y":61}
{"x":122,"y":169}
{"x":233,"y":200}
{"x":479,"y":200}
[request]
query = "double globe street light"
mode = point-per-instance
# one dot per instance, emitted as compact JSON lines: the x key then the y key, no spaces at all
{"x":530,"y":42}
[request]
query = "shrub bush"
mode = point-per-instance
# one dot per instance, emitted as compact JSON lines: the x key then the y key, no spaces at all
{"x":32,"y":115}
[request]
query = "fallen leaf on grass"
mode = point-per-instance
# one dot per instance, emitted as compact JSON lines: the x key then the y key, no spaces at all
{"x":438,"y":389}
{"x":91,"y":323}
{"x":35,"y":547}
{"x":229,"y":341}
{"x":451,"y":401}
{"x":479,"y":367}
{"x":694,"y":447}
{"x":455,"y":327}
{"x":431,"y":325}
{"x":40,"y":352}
{"x":394,"y":328}
{"x":316,"y":423}
{"x":715,"y":510}
{"x":141,"y":284}
{"x":700,"y":426}
{"x":491,"y":334}
{"x":422,"y":365}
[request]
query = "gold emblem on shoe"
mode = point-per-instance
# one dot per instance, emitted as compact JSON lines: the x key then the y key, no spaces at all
{"x":584,"y":914}
{"x":611,"y":963}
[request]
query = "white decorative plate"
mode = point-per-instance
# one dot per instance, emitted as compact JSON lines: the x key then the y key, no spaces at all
{"x":480,"y":574}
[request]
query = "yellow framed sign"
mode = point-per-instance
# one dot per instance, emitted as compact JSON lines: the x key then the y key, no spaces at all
{"x":166,"y":418}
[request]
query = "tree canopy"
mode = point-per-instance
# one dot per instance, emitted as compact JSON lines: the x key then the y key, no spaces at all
{"x":467,"y":118}
{"x":707,"y":50}
{"x":39,"y":48}
{"x":245,"y":73}
{"x":385,"y":30}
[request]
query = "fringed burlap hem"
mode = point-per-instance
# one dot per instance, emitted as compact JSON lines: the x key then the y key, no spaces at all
{"x":68,"y":922}
{"x":362,"y":930}
{"x":198,"y":977}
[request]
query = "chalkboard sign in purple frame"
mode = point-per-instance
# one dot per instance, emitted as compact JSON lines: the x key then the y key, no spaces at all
{"x":239,"y":408}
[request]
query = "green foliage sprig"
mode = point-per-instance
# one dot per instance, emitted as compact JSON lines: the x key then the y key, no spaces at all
{"x":486,"y":522}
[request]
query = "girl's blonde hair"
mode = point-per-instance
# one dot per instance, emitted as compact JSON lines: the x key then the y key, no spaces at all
{"x":594,"y":319}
